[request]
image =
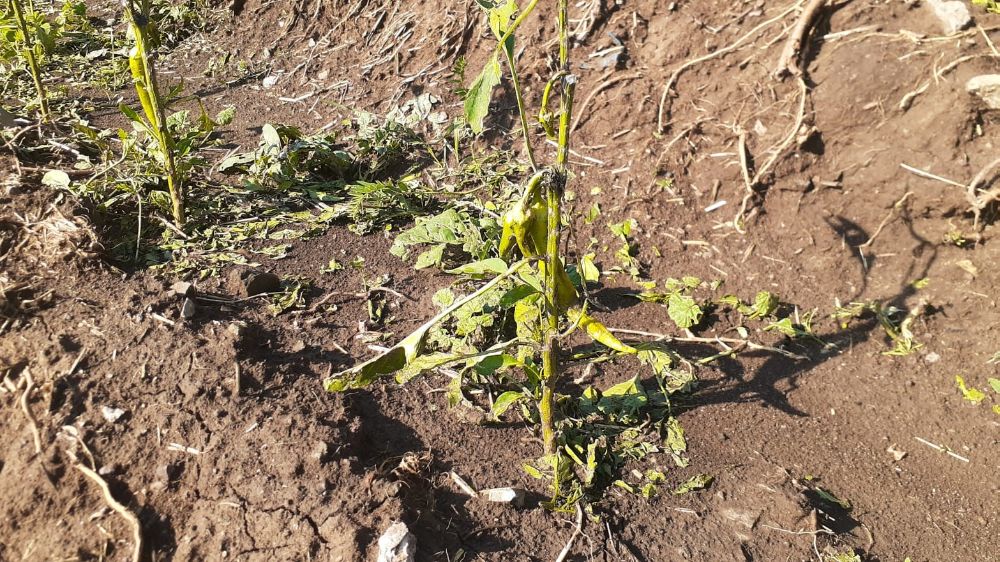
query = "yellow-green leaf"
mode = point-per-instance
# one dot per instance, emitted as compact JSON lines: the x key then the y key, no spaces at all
{"x":971,"y":394}
{"x":694,"y":483}
{"x":598,"y":332}
{"x":477,"y":99}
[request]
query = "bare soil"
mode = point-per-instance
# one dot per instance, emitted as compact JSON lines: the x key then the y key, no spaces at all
{"x":228,"y":447}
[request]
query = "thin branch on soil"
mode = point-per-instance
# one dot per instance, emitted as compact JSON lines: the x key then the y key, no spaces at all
{"x":76,"y":362}
{"x":29,"y":385}
{"x":663,"y":112}
{"x":895,"y":207}
{"x":600,"y":88}
{"x":989,"y":41}
{"x":572,"y":538}
{"x":748,"y":183}
{"x":117,"y":507}
{"x":980,"y":202}
{"x":718,"y":340}
{"x":941,"y":449}
{"x":778,"y":152}
{"x":790,"y":63}
{"x":907,"y":100}
{"x":930,"y":176}
{"x":823,"y":531}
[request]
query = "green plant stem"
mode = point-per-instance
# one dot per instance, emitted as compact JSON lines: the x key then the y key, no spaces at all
{"x":554,"y":193}
{"x":29,"y":53}
{"x":521,"y":111}
{"x":140,"y":27}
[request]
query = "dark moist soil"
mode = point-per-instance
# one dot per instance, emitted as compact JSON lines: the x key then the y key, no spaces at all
{"x":275,"y":469}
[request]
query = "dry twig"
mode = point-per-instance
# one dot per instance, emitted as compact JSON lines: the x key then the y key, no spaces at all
{"x":572,"y":538}
{"x":29,"y":385}
{"x":118,"y":507}
{"x":979,"y":202}
{"x":664,"y":110}
{"x":600,"y":88}
{"x":790,"y":63}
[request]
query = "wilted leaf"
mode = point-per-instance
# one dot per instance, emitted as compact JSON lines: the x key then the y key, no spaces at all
{"x":495,"y":266}
{"x":407,"y":350}
{"x":683,"y":310}
{"x":832,"y":499}
{"x":477,"y":99}
{"x":56,"y":179}
{"x":764,"y":304}
{"x":694,"y":483}
{"x":994,"y":384}
{"x":430,"y":257}
{"x":598,"y":332}
{"x":971,"y":394}
{"x":590,"y":272}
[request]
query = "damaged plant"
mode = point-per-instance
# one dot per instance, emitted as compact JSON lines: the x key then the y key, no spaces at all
{"x":530,"y":306}
{"x":141,"y":64}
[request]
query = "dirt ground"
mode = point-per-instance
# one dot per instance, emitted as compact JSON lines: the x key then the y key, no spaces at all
{"x":228,"y":448}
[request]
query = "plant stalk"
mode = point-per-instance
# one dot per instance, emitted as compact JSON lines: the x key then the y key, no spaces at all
{"x":140,"y":28}
{"x":29,"y":52}
{"x":554,"y":193}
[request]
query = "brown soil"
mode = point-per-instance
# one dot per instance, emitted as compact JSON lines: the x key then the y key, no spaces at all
{"x":275,"y":469}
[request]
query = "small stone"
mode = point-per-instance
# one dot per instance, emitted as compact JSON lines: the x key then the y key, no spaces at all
{"x":108,"y":469}
{"x":183,"y":289}
{"x":397,"y":544}
{"x":896,"y":453}
{"x":503,"y":495}
{"x":954,"y":15}
{"x":269,"y":81}
{"x":932,"y":358}
{"x":112,"y":414}
{"x":188,"y":308}
{"x":320,"y":451}
{"x":987,"y":88}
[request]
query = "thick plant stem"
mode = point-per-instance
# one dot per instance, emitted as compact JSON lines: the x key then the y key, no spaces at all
{"x":149,"y":90}
{"x":554,"y":194}
{"x":166,"y":144}
{"x":29,"y":53}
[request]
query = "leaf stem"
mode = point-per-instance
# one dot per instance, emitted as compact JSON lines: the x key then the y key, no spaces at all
{"x":521,"y":111}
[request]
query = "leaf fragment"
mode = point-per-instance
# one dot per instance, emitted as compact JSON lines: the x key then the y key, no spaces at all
{"x":697,"y":482}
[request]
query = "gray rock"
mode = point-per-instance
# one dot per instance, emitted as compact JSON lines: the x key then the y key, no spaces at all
{"x":397,"y":544}
{"x":954,"y":15}
{"x":183,"y":289}
{"x":987,"y":88}
{"x":188,"y":309}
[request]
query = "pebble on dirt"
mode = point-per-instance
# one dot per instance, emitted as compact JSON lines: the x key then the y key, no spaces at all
{"x":112,"y":414}
{"x":188,"y":309}
{"x":503,"y":495}
{"x":987,"y":88}
{"x":954,"y":15}
{"x":397,"y":544}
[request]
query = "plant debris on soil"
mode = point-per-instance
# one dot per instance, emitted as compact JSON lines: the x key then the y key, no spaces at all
{"x":792,"y":205}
